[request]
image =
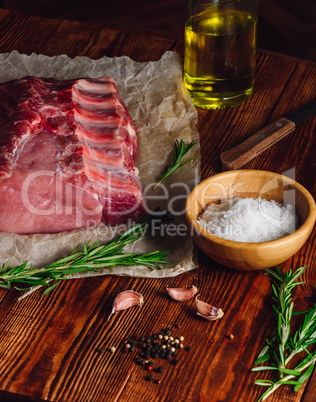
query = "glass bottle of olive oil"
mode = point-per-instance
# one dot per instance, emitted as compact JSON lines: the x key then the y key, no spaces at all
{"x":219,"y":62}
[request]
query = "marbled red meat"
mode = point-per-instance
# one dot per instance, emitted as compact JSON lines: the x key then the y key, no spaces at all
{"x":66,"y":156}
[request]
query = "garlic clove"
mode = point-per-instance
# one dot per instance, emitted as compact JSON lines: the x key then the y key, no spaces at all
{"x":182,"y":294}
{"x":125,"y":300}
{"x":207,"y":311}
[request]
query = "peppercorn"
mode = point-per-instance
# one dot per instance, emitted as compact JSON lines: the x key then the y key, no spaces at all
{"x":188,"y":349}
{"x":157,"y":345}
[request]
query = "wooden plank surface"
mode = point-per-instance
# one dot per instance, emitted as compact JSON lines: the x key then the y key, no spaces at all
{"x":55,"y":347}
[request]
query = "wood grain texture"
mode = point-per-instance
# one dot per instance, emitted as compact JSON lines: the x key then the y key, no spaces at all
{"x":284,"y":26}
{"x":55,"y":348}
{"x":26,"y":33}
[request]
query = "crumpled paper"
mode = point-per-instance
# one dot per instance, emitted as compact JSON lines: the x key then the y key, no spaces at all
{"x":158,"y":102}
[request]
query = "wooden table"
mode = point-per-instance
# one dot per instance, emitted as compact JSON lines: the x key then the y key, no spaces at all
{"x":55,"y":347}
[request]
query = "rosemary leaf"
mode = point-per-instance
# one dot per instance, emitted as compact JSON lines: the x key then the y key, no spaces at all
{"x":291,"y":372}
{"x":304,"y":377}
{"x":262,"y":368}
{"x":54,"y":285}
{"x":263,"y":358}
{"x":263,"y":384}
{"x":181,"y":149}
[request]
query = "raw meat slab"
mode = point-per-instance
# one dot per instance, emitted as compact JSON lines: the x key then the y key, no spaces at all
{"x":66,"y":156}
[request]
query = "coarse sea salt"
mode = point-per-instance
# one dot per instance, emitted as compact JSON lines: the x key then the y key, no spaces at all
{"x":249,"y":220}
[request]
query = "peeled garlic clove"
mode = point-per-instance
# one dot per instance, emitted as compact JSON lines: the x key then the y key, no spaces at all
{"x":207,"y":311}
{"x":126,"y":299}
{"x":182,"y":294}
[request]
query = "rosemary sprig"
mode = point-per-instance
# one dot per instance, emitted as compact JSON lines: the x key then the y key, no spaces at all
{"x":88,"y":257}
{"x":282,"y":346}
{"x":181,"y":149}
{"x":307,"y":364}
{"x":282,"y":286}
{"x":305,"y":336}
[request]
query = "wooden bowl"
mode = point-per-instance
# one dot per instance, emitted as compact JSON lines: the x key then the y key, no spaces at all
{"x":254,"y":184}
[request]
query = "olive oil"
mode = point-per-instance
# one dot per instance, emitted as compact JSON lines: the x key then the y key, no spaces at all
{"x":219,"y":60}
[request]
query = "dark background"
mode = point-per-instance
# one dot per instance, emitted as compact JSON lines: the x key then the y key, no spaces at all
{"x":284,"y":26}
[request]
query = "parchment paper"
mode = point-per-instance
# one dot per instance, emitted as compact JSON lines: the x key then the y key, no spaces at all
{"x":158,"y":102}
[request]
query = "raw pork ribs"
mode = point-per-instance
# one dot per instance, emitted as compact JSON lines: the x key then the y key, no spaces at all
{"x":66,"y":156}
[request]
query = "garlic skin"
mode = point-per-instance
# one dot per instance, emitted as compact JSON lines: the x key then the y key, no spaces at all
{"x":125,"y":300}
{"x":182,"y":294}
{"x":207,"y":311}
